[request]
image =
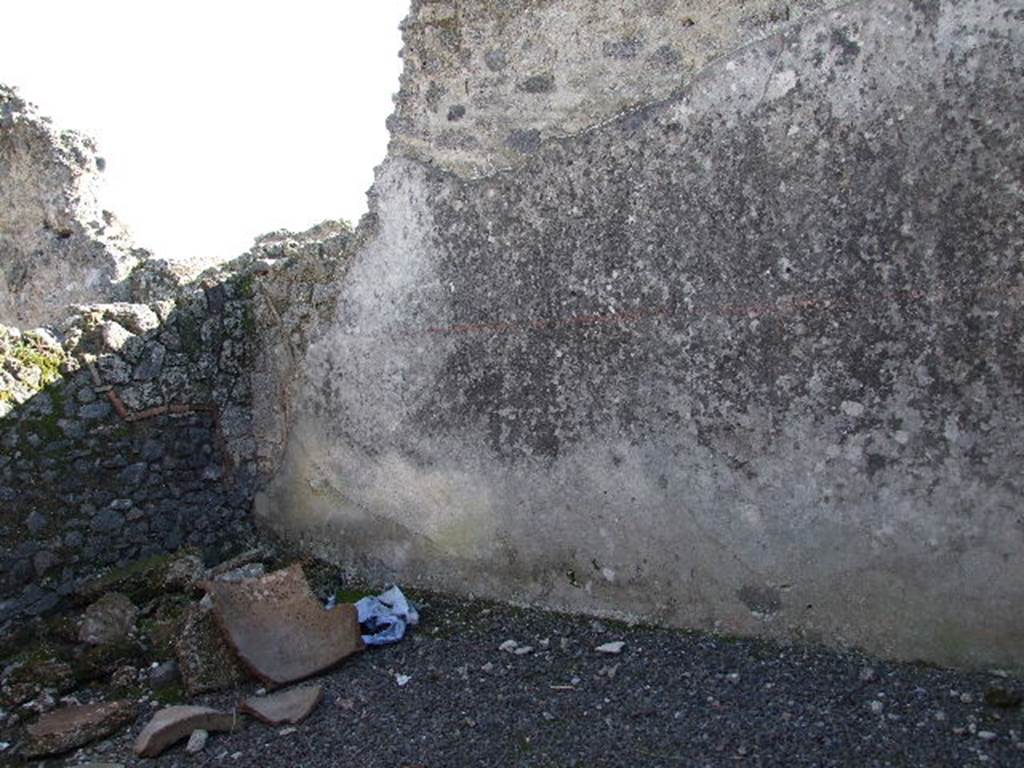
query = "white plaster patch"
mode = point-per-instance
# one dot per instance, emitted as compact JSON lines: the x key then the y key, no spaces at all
{"x":781,"y":84}
{"x":751,"y":515}
{"x":852,"y":408}
{"x":682,"y":112}
{"x":952,"y":429}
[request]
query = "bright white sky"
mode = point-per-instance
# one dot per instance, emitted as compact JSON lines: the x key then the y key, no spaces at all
{"x":219,"y":119}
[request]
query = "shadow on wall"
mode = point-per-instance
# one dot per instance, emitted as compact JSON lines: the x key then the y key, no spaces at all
{"x":121,"y":453}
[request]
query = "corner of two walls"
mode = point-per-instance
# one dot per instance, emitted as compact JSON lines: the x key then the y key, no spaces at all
{"x":147,"y":428}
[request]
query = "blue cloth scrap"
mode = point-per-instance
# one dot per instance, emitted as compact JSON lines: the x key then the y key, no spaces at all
{"x":386,"y":616}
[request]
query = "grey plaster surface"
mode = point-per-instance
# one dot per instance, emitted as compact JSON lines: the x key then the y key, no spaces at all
{"x":746,"y":358}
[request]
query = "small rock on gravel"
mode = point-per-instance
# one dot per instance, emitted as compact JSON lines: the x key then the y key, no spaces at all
{"x":164,"y":674}
{"x":183,"y":572}
{"x":1003,"y":698}
{"x":172,"y":724}
{"x":611,"y":648}
{"x":197,"y":741}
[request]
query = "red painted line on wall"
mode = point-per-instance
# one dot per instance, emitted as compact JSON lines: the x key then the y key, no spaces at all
{"x":173,"y":409}
{"x":752,"y":311}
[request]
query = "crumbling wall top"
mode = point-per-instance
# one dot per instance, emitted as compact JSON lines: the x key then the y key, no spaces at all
{"x":486,"y":82}
{"x":58,"y":245}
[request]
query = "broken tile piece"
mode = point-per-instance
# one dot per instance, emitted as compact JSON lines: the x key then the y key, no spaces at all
{"x":173,"y":724}
{"x":71,"y":727}
{"x":291,"y":706}
{"x":278,"y":628}
{"x":204,"y":658}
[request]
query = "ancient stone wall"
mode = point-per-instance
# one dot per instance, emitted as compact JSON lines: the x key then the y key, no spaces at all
{"x":716,"y":331}
{"x":487,"y":82}
{"x":133,"y":430}
{"x":701,"y":314}
{"x":123,"y":454}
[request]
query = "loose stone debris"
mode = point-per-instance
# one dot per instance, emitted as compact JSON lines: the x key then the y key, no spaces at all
{"x":205,"y":660}
{"x":197,"y":741}
{"x":145,"y":629}
{"x":70,"y":727}
{"x":279,"y":629}
{"x":287,"y":707}
{"x":108,"y":621}
{"x":161,"y":675}
{"x":454,"y":673}
{"x":184,"y":572}
{"x":170,"y":725}
{"x":611,"y":648}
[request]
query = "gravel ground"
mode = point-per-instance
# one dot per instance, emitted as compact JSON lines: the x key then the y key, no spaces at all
{"x":669,"y":698}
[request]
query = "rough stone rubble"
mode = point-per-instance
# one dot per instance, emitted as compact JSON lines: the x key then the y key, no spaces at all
{"x":131,"y":430}
{"x":128,"y":422}
{"x":58,"y":245}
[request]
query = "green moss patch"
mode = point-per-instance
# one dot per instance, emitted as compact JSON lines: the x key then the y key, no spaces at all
{"x":141,"y":580}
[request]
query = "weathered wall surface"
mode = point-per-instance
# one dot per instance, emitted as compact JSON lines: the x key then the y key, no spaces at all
{"x":746,"y":357}
{"x":57,"y":244}
{"x":485,"y":83}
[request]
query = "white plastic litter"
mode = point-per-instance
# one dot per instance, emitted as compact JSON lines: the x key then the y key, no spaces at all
{"x":386,"y":616}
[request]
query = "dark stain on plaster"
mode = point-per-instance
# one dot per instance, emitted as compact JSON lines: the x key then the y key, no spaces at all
{"x":760,"y":599}
{"x":625,"y":49}
{"x":542,"y":83}
{"x":435,"y":92}
{"x":496,"y":60}
{"x":929,"y":9}
{"x":525,"y":141}
{"x":665,"y":56}
{"x":848,"y":47}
